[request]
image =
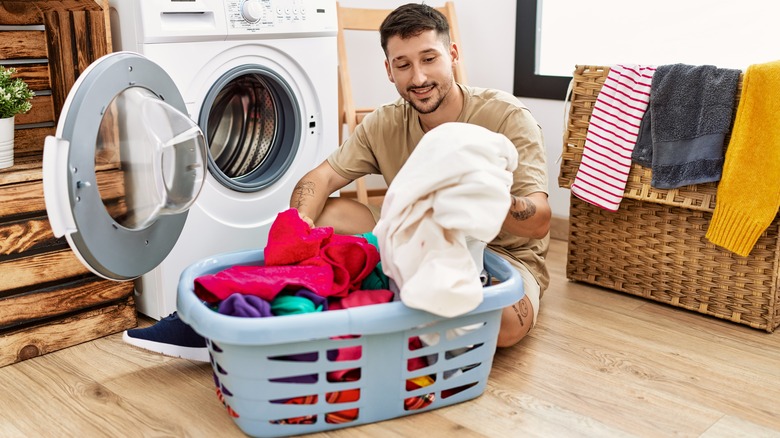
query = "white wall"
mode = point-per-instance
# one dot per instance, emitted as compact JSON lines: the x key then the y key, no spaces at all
{"x":487,"y":32}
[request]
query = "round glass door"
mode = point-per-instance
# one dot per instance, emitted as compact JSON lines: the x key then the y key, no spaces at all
{"x":160,"y":153}
{"x":252,"y":124}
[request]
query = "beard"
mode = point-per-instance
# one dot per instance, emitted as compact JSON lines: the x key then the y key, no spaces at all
{"x":428,"y":104}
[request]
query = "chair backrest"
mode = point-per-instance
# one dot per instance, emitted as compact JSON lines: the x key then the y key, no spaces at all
{"x":365,"y":19}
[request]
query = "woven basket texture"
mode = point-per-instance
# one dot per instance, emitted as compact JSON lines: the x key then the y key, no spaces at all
{"x":654,"y":245}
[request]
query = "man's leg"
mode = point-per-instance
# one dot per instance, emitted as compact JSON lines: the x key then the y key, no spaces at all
{"x":518,"y":319}
{"x":346,"y":216}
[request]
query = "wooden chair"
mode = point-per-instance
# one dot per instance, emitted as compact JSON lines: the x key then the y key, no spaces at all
{"x":362,"y":19}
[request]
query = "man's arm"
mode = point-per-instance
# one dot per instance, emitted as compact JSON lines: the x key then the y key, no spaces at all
{"x":311,"y":192}
{"x":529,"y":216}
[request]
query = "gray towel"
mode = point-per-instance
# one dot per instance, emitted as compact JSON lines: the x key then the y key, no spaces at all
{"x":681,"y":136}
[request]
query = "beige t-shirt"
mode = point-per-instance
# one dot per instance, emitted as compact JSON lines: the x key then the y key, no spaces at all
{"x":385,"y":139}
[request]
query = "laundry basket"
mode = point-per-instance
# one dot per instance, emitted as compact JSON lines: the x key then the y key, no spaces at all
{"x":276,"y":375}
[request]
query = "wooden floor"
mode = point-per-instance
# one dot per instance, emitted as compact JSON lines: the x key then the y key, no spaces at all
{"x":598,"y":364}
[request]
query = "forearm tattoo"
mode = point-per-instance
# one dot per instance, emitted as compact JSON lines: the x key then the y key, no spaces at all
{"x":304,"y":189}
{"x":522,"y":208}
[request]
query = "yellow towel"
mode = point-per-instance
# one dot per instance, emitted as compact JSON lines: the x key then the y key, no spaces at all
{"x":748,"y":195}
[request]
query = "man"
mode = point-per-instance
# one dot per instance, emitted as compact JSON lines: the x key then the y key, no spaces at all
{"x":419,"y":61}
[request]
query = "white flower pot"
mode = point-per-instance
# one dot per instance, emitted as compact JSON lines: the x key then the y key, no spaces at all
{"x":6,"y":142}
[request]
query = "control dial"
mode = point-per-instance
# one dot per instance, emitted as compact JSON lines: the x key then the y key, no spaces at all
{"x":252,"y":11}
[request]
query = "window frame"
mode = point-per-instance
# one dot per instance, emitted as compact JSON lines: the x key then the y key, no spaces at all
{"x":527,"y":83}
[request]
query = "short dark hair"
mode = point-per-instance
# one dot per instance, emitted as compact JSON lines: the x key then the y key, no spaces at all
{"x":411,"y":20}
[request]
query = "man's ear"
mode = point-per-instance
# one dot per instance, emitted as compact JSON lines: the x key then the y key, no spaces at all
{"x":454,"y":53}
{"x":389,"y":74}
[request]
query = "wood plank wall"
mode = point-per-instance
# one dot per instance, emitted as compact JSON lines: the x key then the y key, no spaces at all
{"x":48,"y":299}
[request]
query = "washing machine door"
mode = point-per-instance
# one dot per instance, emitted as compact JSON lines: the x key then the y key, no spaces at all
{"x":126,"y":118}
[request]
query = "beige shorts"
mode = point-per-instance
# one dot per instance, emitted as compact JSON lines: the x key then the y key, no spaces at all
{"x":376,"y":211}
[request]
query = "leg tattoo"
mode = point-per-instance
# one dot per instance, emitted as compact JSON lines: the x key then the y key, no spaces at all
{"x":521,"y":310}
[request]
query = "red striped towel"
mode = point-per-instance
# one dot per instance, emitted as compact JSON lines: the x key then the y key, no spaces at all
{"x":612,"y":133}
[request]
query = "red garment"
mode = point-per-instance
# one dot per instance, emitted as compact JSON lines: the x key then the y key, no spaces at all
{"x":352,"y":259}
{"x":291,"y":240}
{"x":361,"y":298}
{"x":263,"y":281}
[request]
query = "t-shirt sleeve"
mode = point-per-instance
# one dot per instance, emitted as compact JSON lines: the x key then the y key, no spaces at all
{"x":531,"y":173}
{"x":355,"y":157}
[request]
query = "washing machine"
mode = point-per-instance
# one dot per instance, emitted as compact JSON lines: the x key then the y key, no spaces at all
{"x":238,"y":100}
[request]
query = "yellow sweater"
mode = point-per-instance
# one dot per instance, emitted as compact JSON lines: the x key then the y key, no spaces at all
{"x":748,"y":194}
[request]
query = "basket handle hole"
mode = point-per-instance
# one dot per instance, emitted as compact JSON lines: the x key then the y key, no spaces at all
{"x":345,"y":354}
{"x":300,"y":400}
{"x":464,"y":330}
{"x":341,"y":417}
{"x":447,"y":393}
{"x":311,"y":356}
{"x":303,"y":378}
{"x":420,"y":362}
{"x":455,"y":372}
{"x":450,"y":354}
{"x":345,"y":396}
{"x":346,"y":375}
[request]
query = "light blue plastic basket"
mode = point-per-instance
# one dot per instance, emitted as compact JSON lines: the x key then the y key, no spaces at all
{"x":250,"y":356}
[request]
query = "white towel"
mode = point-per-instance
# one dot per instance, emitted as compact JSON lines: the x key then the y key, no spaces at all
{"x":612,"y":134}
{"x":455,"y":184}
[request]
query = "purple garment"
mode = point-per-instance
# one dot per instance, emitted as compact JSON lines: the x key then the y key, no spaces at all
{"x":246,"y":306}
{"x":318,"y":300}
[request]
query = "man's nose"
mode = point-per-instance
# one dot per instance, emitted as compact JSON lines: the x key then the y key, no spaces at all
{"x":418,"y":76}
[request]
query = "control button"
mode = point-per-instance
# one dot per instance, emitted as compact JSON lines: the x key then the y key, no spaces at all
{"x":252,"y":11}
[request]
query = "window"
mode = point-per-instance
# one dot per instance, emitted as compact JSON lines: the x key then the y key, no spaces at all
{"x":553,"y":36}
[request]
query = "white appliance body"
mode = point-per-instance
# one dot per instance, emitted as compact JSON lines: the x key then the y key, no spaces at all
{"x":208,"y":47}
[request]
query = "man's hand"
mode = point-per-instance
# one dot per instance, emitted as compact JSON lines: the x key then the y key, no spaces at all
{"x":306,"y":219}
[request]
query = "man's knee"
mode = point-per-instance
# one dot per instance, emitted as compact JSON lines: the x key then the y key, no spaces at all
{"x":346,"y":216}
{"x":516,"y":321}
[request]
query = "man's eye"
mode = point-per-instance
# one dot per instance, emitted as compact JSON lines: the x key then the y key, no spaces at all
{"x":402,"y":66}
{"x":429,"y":60}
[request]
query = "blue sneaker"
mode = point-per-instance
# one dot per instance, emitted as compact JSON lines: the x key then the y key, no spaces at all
{"x":170,"y":336}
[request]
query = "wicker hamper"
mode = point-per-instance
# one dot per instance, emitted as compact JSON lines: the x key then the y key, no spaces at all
{"x":654,"y":245}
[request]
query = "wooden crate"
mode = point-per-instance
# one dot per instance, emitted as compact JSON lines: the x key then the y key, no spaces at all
{"x":48,"y":299}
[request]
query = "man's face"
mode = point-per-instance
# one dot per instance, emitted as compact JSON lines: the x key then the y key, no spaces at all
{"x":421,"y":69}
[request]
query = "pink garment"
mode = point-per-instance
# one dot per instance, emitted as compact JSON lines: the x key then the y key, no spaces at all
{"x":263,"y":281}
{"x":361,"y":298}
{"x":291,"y":240}
{"x":612,"y":135}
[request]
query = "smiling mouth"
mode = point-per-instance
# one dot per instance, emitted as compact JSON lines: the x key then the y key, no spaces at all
{"x":422,"y":90}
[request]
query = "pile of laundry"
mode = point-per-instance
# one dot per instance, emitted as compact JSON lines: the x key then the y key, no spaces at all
{"x":306,"y":270}
{"x":683,"y":122}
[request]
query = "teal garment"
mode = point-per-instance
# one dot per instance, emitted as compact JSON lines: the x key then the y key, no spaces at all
{"x":291,"y":305}
{"x":377,"y":278}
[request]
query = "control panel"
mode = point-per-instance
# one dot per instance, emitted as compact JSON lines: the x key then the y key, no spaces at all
{"x":258,"y":16}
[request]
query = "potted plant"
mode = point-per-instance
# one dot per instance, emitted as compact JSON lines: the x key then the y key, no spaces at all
{"x":15,"y":99}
